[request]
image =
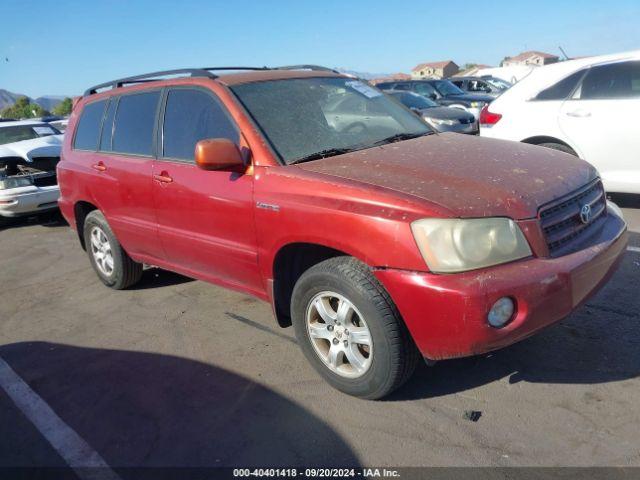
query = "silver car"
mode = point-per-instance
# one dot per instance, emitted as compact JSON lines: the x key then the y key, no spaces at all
{"x":442,"y":119}
{"x":29,"y":153}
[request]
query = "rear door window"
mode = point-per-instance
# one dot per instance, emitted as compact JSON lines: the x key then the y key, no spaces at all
{"x":88,"y":129}
{"x":192,"y":115}
{"x":134,"y":124}
{"x":619,"y":80}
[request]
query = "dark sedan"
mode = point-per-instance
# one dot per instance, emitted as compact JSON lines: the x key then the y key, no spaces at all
{"x":442,"y":119}
{"x":443,"y":92}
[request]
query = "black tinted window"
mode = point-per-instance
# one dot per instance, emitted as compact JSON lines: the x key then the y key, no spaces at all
{"x":620,"y":80}
{"x":562,"y":89}
{"x":191,"y":116}
{"x":135,"y":119}
{"x":107,"y":126}
{"x":88,"y":128}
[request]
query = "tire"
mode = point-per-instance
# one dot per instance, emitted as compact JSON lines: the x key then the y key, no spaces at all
{"x":391,"y":356}
{"x":121,"y":271}
{"x":558,"y":146}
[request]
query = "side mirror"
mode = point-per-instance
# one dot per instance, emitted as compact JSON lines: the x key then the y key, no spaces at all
{"x":218,"y":154}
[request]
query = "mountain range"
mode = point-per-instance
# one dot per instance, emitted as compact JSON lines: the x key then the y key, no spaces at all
{"x":47,"y":102}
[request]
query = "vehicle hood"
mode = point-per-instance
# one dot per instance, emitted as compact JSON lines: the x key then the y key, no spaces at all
{"x":48,"y":146}
{"x":445,"y":113}
{"x":471,"y":97}
{"x":466,"y":175}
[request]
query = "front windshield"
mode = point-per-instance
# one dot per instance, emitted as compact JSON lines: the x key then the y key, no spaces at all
{"x":18,"y":133}
{"x":445,"y":88}
{"x":413,"y":100}
{"x":325,"y":116}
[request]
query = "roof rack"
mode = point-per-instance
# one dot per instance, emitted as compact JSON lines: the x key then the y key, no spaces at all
{"x":205,"y":72}
{"x":314,"y":68}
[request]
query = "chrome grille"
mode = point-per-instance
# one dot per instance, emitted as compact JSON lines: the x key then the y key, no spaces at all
{"x":564,"y":229}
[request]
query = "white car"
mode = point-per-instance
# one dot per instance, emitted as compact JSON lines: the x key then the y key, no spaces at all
{"x":29,"y":153}
{"x":587,"y":107}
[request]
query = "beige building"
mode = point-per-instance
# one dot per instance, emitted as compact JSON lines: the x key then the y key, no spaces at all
{"x":435,"y":70}
{"x":531,"y":58}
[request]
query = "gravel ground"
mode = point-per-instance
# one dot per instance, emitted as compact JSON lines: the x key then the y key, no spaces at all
{"x":177,"y":372}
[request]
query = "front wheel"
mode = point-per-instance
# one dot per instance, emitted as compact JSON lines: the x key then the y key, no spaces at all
{"x":350,"y":330}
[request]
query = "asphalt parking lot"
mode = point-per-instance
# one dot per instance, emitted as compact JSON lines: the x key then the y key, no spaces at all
{"x":176,"y":372}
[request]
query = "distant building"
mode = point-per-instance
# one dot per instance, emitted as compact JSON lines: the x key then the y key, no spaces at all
{"x":390,"y":78}
{"x":443,"y":69}
{"x":531,"y":58}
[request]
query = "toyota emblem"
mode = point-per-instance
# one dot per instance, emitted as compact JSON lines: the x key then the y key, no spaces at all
{"x":585,"y":214}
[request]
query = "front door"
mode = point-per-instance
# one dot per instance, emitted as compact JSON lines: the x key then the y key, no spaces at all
{"x":205,"y":218}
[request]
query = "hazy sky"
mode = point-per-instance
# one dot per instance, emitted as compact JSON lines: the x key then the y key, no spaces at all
{"x":61,"y":47}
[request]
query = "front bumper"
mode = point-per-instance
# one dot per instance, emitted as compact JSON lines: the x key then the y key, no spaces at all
{"x":446,"y":314}
{"x":26,"y":200}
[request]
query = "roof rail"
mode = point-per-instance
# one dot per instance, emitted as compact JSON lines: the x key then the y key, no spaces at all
{"x":149,"y":77}
{"x":193,"y":72}
{"x":314,"y":68}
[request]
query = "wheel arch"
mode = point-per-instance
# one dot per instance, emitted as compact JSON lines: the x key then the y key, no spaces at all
{"x":80,"y":211}
{"x":538,"y":139}
{"x":289,"y":263}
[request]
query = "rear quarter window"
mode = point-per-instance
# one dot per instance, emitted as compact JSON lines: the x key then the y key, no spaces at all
{"x":134,"y":123}
{"x":562,"y":89}
{"x":88,"y":129}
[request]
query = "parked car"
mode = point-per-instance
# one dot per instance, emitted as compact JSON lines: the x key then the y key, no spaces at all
{"x":380,"y":244}
{"x":587,"y":107}
{"x":29,"y":153}
{"x":483,"y":85}
{"x":443,"y":92}
{"x":442,"y":119}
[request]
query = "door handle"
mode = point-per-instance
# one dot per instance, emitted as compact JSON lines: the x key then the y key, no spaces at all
{"x":163,"y":178}
{"x":579,"y":114}
{"x":100,"y":167}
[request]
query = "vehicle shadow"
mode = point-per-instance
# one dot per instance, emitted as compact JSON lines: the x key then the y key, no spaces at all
{"x":50,"y":219}
{"x":157,"y":278}
{"x":625,"y":200}
{"x":139,"y":409}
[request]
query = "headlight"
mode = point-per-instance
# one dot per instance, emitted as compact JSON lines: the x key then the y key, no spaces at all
{"x":439,"y":121}
{"x":14,"y":182}
{"x":615,"y":209}
{"x":457,"y":245}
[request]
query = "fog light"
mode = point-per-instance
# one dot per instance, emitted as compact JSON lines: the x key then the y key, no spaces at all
{"x":501,"y":312}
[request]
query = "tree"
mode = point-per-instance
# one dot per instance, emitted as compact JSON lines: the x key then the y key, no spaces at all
{"x":63,"y":108}
{"x":23,"y":108}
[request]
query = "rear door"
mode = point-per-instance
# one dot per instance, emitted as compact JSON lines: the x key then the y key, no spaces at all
{"x":601,"y":119}
{"x":205,"y":218}
{"x":121,"y":166}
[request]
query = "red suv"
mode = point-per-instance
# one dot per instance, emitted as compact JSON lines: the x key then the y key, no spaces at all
{"x":378,"y":239}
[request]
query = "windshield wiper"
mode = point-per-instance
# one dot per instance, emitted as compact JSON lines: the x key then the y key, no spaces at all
{"x":329,"y":152}
{"x":398,"y":137}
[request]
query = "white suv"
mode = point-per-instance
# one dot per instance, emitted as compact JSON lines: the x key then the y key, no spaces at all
{"x":588,"y":107}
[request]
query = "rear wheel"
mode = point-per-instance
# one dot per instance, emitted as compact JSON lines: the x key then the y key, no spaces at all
{"x":559,"y":146}
{"x":350,"y":330}
{"x":109,"y":260}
